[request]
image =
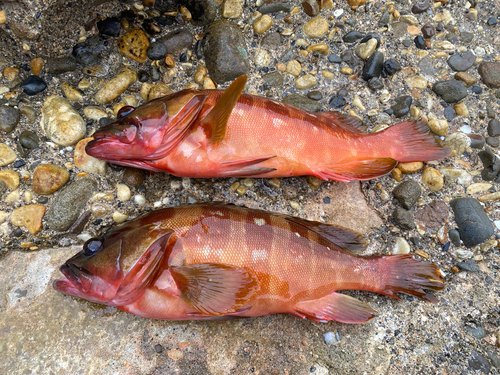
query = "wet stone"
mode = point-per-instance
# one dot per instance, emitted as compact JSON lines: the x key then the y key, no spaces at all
{"x":29,"y":217}
{"x":33,"y":85}
{"x":61,"y":122}
{"x":462,"y":61}
{"x":369,"y":36}
{"x":478,"y":362}
{"x":428,"y":31}
{"x":402,"y":106}
{"x":302,"y":102}
{"x":420,"y":7}
{"x":60,"y":65}
{"x":469,"y":265}
{"x":493,"y":142}
{"x":451,"y":91}
{"x":491,"y":164}
{"x":449,"y":113}
{"x":373,"y":66}
{"x":337,"y":101}
{"x":203,"y":12}
{"x":87,"y":52}
{"x":29,"y":112}
{"x":335,"y":59}
{"x":49,"y":178}
{"x":29,"y":139}
{"x":384,"y":19}
{"x":311,"y":7}
{"x":403,"y":218}
{"x":133,"y":176}
{"x":156,"y":51}
{"x":134,"y":44}
{"x":142,"y":75}
{"x":7,"y":155}
{"x":109,"y":26}
{"x":454,"y":237}
{"x":274,"y":79}
{"x":352,"y":36}
{"x":407,"y":193}
{"x":315,"y":95}
{"x":390,"y":68}
{"x":68,"y":204}
{"x":494,"y":128}
{"x":9,"y":118}
{"x":476,"y":141}
{"x":434,"y":215}
{"x":275,"y":6}
{"x":473,"y":223}
{"x":490,"y":73}
{"x":177,"y":41}
{"x":271,"y":40}
{"x":375,"y":84}
{"x":316,"y":28}
{"x":420,"y":42}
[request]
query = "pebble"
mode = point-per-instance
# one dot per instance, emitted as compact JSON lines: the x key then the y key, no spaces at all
{"x":177,"y":41}
{"x":225,"y":52}
{"x":10,"y":73}
{"x":354,"y":4}
{"x":262,"y":24}
{"x":69,"y":203}
{"x":476,"y":141}
{"x":133,"y":176}
{"x":306,"y":81}
{"x":401,"y":246}
{"x":407,"y":193}
{"x":302,"y":102}
{"x":29,"y":112}
{"x":316,"y":28}
{"x":432,"y":179}
{"x":390,"y":68}
{"x":346,"y":70}
{"x":86,"y":162}
{"x":60,"y":65}
{"x":29,"y":217}
{"x":116,"y":86}
{"x":13,"y":196}
{"x":451,"y":91}
{"x":494,"y":128}
{"x":365,"y":50}
{"x":134,"y":44}
{"x":9,"y":178}
{"x":273,"y":79}
{"x":293,"y":67}
{"x":404,"y":218}
{"x":352,"y":36}
{"x":94,"y":113}
{"x":49,"y":178}
{"x":373,"y":66}
{"x":411,"y":167}
{"x":87,"y":52}
{"x":439,"y":127}
{"x":478,"y":187}
{"x":232,"y":9}
{"x":140,"y":199}
{"x":97,"y":70}
{"x":33,"y":85}
{"x":454,"y":237}
{"x":434,"y":215}
{"x":159,"y":90}
{"x":428,"y":31}
{"x":402,"y":105}
{"x":458,"y":142}
{"x":271,"y":40}
{"x":420,"y":7}
{"x":71,"y":93}
{"x":461,"y":61}
{"x":456,"y":174}
{"x":417,"y":82}
{"x":337,"y":101}
{"x":9,"y":118}
{"x":490,"y":73}
{"x":156,"y":51}
{"x":375,"y":84}
{"x":7,"y":155}
{"x":331,"y":338}
{"x":61,"y":122}
{"x":473,"y":223}
{"x":109,"y":26}
{"x":36,"y":65}
{"x":119,"y":217}
{"x":123,"y":192}
{"x":420,"y":42}
{"x":261,"y":58}
{"x":461,"y":110}
{"x":334,"y":59}
{"x":493,"y":142}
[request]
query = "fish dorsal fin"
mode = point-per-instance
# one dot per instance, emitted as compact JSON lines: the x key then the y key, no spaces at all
{"x":350,"y":123}
{"x":215,"y":289}
{"x":216,"y":121}
{"x":342,"y":237}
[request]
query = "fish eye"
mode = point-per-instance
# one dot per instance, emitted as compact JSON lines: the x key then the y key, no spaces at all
{"x":92,"y":247}
{"x":124,"y":111}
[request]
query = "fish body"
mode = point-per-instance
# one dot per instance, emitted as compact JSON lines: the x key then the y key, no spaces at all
{"x":220,"y":262}
{"x":212,"y":133}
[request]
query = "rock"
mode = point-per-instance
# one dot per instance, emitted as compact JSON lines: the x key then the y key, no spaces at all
{"x":49,"y":178}
{"x":311,"y":7}
{"x":71,"y":93}
{"x":10,"y":179}
{"x":462,"y":61}
{"x":68,"y":204}
{"x":407,"y":193}
{"x":434,"y":215}
{"x":417,"y":82}
{"x":316,"y":28}
{"x":9,"y":118}
{"x":133,"y":177}
{"x":29,"y":217}
{"x":315,"y":95}
{"x":420,"y":42}
{"x":476,"y":141}
{"x":335,"y":59}
{"x":273,"y":79}
{"x":365,"y":50}
{"x":109,"y":26}
{"x":29,"y":112}
{"x":458,"y":142}
{"x":454,"y":237}
{"x":373,"y":66}
{"x":86,"y":162}
{"x":490,"y":73}
{"x":177,"y":41}
{"x":261,"y":58}
{"x":403,"y":218}
{"x":356,"y":3}
{"x":493,"y":142}
{"x":203,"y":12}
{"x":159,"y":90}
{"x":428,"y":31}
{"x":352,"y":36}
{"x":60,"y":65}
{"x":302,"y":102}
{"x":293,"y":67}
{"x":232,"y":9}
{"x":33,"y":85}
{"x":337,"y":101}
{"x":494,"y":128}
{"x":119,"y":217}
{"x":10,"y":73}
{"x":271,"y":40}
{"x":116,"y":86}
{"x":439,"y":127}
{"x":469,"y":265}
{"x":262,"y":24}
{"x":225,"y":51}
{"x":7,"y":155}
{"x":134,"y":44}
{"x":61,"y":122}
{"x":156,"y":51}
{"x":432,"y":179}
{"x":410,"y":167}
{"x":401,"y":247}
{"x":451,"y":91}
{"x":275,"y":6}
{"x":87,"y":52}
{"x":94,"y":113}
{"x":478,"y":362}
{"x":420,"y":7}
{"x":473,"y":223}
{"x":402,"y":105}
{"x":306,"y":81}
{"x":375,"y":84}
{"x":123,"y":193}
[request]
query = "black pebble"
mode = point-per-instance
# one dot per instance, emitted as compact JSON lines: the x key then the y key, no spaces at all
{"x":109,"y":26}
{"x":156,"y":51}
{"x":375,"y":84}
{"x":494,"y":128}
{"x":352,"y":36}
{"x":420,"y":42}
{"x":315,"y":95}
{"x":158,"y":348}
{"x":454,"y":237}
{"x":43,"y":199}
{"x":142,"y":75}
{"x":402,"y":106}
{"x":29,"y":139}
{"x":19,"y":163}
{"x":404,"y":218}
{"x":154,"y":73}
{"x":420,"y":7}
{"x":369,"y":36}
{"x":449,"y":113}
{"x":407,"y":193}
{"x":407,"y":42}
{"x":337,"y":101}
{"x":473,"y":223}
{"x":333,"y":58}
{"x":390,"y":68}
{"x":469,"y":265}
{"x":476,"y":141}
{"x":493,"y":142}
{"x":326,"y":200}
{"x":476,"y":89}
{"x":17,"y":232}
{"x":373,"y":66}
{"x":492,"y":21}
{"x":33,"y":85}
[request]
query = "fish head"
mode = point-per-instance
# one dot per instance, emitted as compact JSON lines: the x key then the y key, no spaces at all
{"x":149,"y":132}
{"x":116,"y":268}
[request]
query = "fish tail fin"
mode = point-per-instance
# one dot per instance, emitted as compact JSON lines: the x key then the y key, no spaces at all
{"x":404,"y":274}
{"x":413,"y":141}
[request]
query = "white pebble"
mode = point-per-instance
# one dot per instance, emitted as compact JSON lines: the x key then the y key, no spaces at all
{"x":140,"y":199}
{"x":119,"y":218}
{"x":175,"y":184}
{"x":157,"y":204}
{"x":12,"y":196}
{"x":401,"y":247}
{"x":122,"y":192}
{"x":338,"y":12}
{"x":186,"y":182}
{"x":331,"y":337}
{"x":465,"y":129}
{"x":84,"y":237}
{"x":497,"y":223}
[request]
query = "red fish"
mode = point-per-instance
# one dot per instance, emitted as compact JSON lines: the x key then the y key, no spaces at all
{"x":220,"y":262}
{"x":211,"y":133}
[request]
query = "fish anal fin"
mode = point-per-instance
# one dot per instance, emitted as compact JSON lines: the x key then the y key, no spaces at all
{"x":350,"y":123}
{"x":335,"y":306}
{"x":215,"y":122}
{"x":215,"y":289}
{"x":245,"y":167}
{"x":359,"y":169}
{"x":342,"y":237}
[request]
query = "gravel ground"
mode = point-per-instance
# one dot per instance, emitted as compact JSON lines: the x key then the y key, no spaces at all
{"x":53,"y":197}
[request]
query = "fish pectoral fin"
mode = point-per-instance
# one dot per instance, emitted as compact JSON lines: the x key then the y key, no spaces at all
{"x":215,"y":122}
{"x":350,"y":123}
{"x":215,"y":289}
{"x":342,"y":237}
{"x":365,"y":169}
{"x":245,"y":167}
{"x":335,"y":306}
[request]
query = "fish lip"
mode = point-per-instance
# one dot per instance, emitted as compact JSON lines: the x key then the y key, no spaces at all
{"x":65,"y":286}
{"x":77,"y":277}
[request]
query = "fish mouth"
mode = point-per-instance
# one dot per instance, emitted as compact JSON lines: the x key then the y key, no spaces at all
{"x":77,"y":280}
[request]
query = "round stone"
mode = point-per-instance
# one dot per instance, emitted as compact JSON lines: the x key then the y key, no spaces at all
{"x":432,"y":179}
{"x":490,"y":73}
{"x":71,"y":93}
{"x":134,"y":44}
{"x":123,"y":192}
{"x":306,"y":81}
{"x":293,"y":67}
{"x":417,"y":82}
{"x":156,"y":51}
{"x":86,"y":162}
{"x":373,"y":66}
{"x":49,"y":178}
{"x":133,"y":177}
{"x":119,"y":217}
{"x":439,"y":127}
{"x":9,"y":118}
{"x":61,"y":122}
{"x":261,"y":58}
{"x":10,"y":179}
{"x":451,"y":91}
{"x":462,"y":61}
{"x":33,"y":85}
{"x":365,"y":50}
{"x":316,"y":28}
{"x":494,"y":128}
{"x":29,"y":139}
{"x":262,"y":24}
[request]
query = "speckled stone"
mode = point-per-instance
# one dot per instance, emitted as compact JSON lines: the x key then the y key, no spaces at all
{"x":9,"y":118}
{"x":316,"y":28}
{"x":462,"y":61}
{"x":490,"y":73}
{"x":87,"y":52}
{"x":60,"y":65}
{"x":407,"y":193}
{"x":86,"y":162}
{"x":451,"y":91}
{"x":133,"y":176}
{"x":116,"y":86}
{"x":49,"y":178}
{"x":177,"y":41}
{"x":403,"y":218}
{"x":134,"y":44}
{"x":61,"y":122}
{"x":433,"y":215}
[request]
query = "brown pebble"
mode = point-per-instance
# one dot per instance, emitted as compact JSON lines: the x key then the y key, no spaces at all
{"x":49,"y":178}
{"x":36,"y":65}
{"x":314,"y":182}
{"x":29,"y":217}
{"x":422,"y":253}
{"x":159,"y":90}
{"x":397,"y":174}
{"x":410,"y":167}
{"x":469,"y":79}
{"x":134,"y":44}
{"x":169,"y":61}
{"x":133,"y":177}
{"x":10,"y":73}
{"x":356,"y":3}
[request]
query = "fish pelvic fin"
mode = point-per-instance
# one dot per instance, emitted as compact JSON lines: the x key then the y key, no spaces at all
{"x":347,"y":122}
{"x":365,"y":169}
{"x":413,"y":142}
{"x":215,"y":122}
{"x":404,"y":274}
{"x":335,"y":306}
{"x":244,"y":167}
{"x":215,"y":289}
